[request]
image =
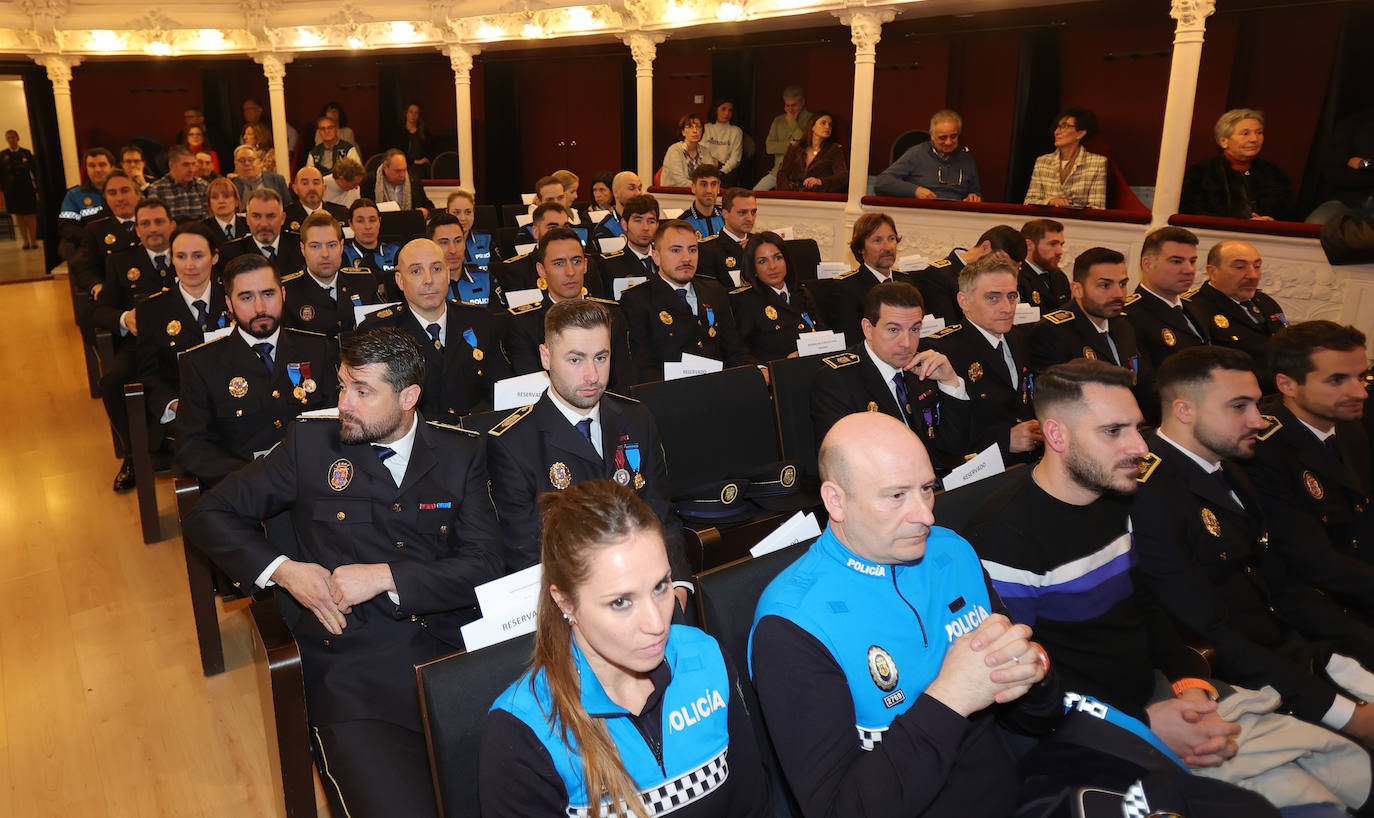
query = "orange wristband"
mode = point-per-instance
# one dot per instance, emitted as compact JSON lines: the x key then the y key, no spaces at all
{"x":1201,"y":684}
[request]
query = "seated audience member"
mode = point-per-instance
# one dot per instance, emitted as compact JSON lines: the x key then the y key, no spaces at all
{"x":1166,"y":321}
{"x":595,"y":434}
{"x":309,"y":190}
{"x":1236,"y":183}
{"x":676,"y":312}
{"x":874,"y":243}
{"x":367,"y":250}
{"x":102,"y":238}
{"x":704,"y":212}
{"x":181,"y":189}
{"x":205,"y":166}
{"x":817,"y":163}
{"x":249,"y":175}
{"x":464,"y":357}
{"x":786,"y":130}
{"x":773,"y":311}
{"x":1201,"y":533}
{"x":252,"y":114}
{"x":684,"y":157}
{"x":256,"y":135}
{"x":992,"y":354}
{"x":571,"y":183}
{"x":722,"y":255}
{"x":132,"y":162}
{"x":240,"y":392}
{"x":395,"y":183}
{"x":886,"y":373}
{"x":1240,"y":314}
{"x":937,"y":169}
{"x":266,"y":237}
{"x":321,"y":297}
{"x":84,"y":203}
{"x":1348,"y":170}
{"x":624,"y":187}
{"x":603,"y":198}
{"x":638,"y":223}
{"x":724,"y":142}
{"x":1041,"y":282}
{"x":939,"y":282}
{"x":224,"y":221}
{"x":330,"y":147}
{"x":467,"y":282}
{"x":562,"y":265}
{"x":1071,"y":175}
{"x":364,"y":611}
{"x":1311,"y":463}
{"x":341,"y":186}
{"x":551,"y":189}
{"x":869,"y":714}
{"x":481,"y":246}
{"x":196,"y":144}
{"x":593,"y":674}
{"x":518,"y":273}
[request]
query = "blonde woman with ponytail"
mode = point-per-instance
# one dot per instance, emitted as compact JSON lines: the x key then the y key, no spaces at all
{"x":622,"y":713}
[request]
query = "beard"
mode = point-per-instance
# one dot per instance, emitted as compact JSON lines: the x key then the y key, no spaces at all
{"x":1228,"y":448}
{"x":266,"y":330}
{"x":1091,"y":474}
{"x":368,"y":433}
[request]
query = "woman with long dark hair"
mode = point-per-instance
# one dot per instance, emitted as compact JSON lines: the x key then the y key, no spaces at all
{"x":774,"y":309}
{"x":414,"y":139}
{"x":816,"y":164}
{"x":621,"y":712}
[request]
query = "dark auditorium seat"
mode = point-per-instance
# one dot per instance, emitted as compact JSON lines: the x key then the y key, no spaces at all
{"x":505,"y":240}
{"x":805,"y":256}
{"x":484,"y":217}
{"x":400,"y":226}
{"x":906,"y":142}
{"x":510,"y":211}
{"x":790,"y":381}
{"x":823,"y":295}
{"x":444,"y":166}
{"x":953,"y":509}
{"x":145,"y":474}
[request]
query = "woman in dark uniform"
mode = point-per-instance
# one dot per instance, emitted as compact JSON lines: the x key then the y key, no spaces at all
{"x":774,"y":310}
{"x":618,"y":701}
{"x":21,"y":189}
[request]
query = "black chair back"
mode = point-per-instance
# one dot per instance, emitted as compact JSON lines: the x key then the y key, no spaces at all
{"x":824,"y":294}
{"x":444,"y":166}
{"x":954,"y":509}
{"x":370,"y":166}
{"x":400,"y":226}
{"x":456,"y":691}
{"x":906,"y":142}
{"x":791,"y":384}
{"x":510,"y":211}
{"x":484,"y":217}
{"x":804,"y":256}
{"x":505,"y":240}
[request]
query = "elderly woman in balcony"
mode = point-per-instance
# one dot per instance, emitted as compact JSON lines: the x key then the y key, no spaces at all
{"x":683,"y":157}
{"x":1236,"y":183}
{"x":816,"y":163}
{"x":1070,"y":176}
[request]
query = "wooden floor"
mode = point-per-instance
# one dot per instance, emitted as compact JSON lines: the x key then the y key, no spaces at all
{"x":20,"y":265}
{"x":103,"y":708}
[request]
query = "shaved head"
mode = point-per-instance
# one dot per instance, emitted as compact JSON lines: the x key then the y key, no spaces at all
{"x":412,"y":247}
{"x":308,"y":173}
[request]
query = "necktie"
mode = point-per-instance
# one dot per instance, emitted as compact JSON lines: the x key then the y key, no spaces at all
{"x":264,"y":351}
{"x":903,"y":400}
{"x":1006,"y":359}
{"x":382,"y":452}
{"x":1179,"y":309}
{"x":682,"y":293}
{"x":433,"y":330}
{"x":649,"y":264}
{"x":1253,"y":312}
{"x":585,"y":427}
{"x":270,"y":252}
{"x":229,"y":230}
{"x":330,"y":291}
{"x":1333,"y":447}
{"x":1116,"y":356}
{"x":202,"y":314}
{"x":160,"y":264}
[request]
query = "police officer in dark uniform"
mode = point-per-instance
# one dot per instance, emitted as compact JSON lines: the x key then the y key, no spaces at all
{"x":321,"y":297}
{"x":309,"y":190}
{"x":518,"y":273}
{"x":234,"y":404}
{"x":481,"y":245}
{"x":395,"y":528}
{"x":1240,"y":314}
{"x":722,"y":255}
{"x":887,"y":374}
{"x":637,"y":224}
{"x":1209,"y":555}
{"x":267,"y":238}
{"x":1041,"y":282}
{"x":939,"y":282}
{"x":704,"y":214}
{"x":874,"y":244}
{"x":773,"y":311}
{"x":367,"y":250}
{"x":991,"y":353}
{"x":103,"y":237}
{"x":464,"y":356}
{"x":1160,"y":309}
{"x":676,"y":312}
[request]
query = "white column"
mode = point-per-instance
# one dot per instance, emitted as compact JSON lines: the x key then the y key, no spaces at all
{"x":644,"y":47}
{"x":460,"y":57}
{"x":60,"y":75}
{"x":274,"y":67}
{"x":1178,"y":110}
{"x":865,"y":29}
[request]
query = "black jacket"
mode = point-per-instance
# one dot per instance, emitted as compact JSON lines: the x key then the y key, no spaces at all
{"x":130,"y":278}
{"x":167,"y":327}
{"x":221,"y":238}
{"x":662,"y":326}
{"x":100,"y":239}
{"x":309,"y":307}
{"x":718,"y":256}
{"x":939,"y":285}
{"x":289,"y":258}
{"x":1067,"y":334}
{"x":995,"y":403}
{"x":1212,"y":188}
{"x":295,"y":214}
{"x":525,"y":332}
{"x":768,"y":324}
{"x":1162,"y":330}
{"x":1046,"y":295}
{"x":1230,"y":326}
{"x":847,"y":312}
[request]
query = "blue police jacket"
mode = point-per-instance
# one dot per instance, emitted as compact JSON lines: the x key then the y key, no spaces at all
{"x":696,"y":731}
{"x":385,"y":254}
{"x":708,"y":224}
{"x":81,"y":203}
{"x":855,"y":608}
{"x":479,"y":249}
{"x":474,"y":287}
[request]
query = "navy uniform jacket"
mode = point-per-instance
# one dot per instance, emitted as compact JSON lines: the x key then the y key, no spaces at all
{"x":849,"y":382}
{"x":718,"y":256}
{"x":624,"y":264}
{"x":1231,"y":326}
{"x":437,"y":532}
{"x":295,"y":214}
{"x":460,"y":378}
{"x":289,"y":258}
{"x":231,"y":407}
{"x":519,"y":273}
{"x":100,"y":239}
{"x":129,"y":279}
{"x":221,"y":238}
{"x":995,"y":403}
{"x":1210,"y":563}
{"x":848,"y":309}
{"x":662,"y":326}
{"x":167,"y":327}
{"x":1067,"y":334}
{"x":768,"y":323}
{"x":1036,"y":291}
{"x":525,"y":332}
{"x":706,"y":224}
{"x":1162,"y":330}
{"x":309,"y":307}
{"x":939,"y":284}
{"x":525,"y":449}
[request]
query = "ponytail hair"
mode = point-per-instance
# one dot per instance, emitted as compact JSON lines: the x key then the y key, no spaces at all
{"x":577,"y":522}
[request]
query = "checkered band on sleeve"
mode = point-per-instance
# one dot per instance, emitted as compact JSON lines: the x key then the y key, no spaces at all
{"x":868,"y":739}
{"x":678,"y":793}
{"x":1134,"y":803}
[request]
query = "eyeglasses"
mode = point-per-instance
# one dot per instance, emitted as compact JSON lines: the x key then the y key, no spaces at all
{"x":949,"y":176}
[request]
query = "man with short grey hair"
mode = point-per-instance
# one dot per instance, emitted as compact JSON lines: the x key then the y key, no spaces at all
{"x":788,"y":127}
{"x":935,"y":169}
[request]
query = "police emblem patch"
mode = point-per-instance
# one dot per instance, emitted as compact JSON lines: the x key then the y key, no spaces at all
{"x":1168,"y":335}
{"x":133,"y":274}
{"x":340,"y":474}
{"x":666,"y":318}
{"x":1035,"y":297}
{"x":173,"y":327}
{"x":882,"y":668}
{"x":559,"y":476}
{"x":1220,"y":321}
{"x":238,"y":387}
{"x":789,"y":476}
{"x":1209,"y":522}
{"x":729,"y":493}
{"x":975,"y":371}
{"x":307,"y":312}
{"x":770,"y":313}
{"x":1314,"y":486}
{"x":1089,"y":353}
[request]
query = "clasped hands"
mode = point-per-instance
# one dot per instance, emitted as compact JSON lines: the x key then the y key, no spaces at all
{"x":331,"y":595}
{"x":995,"y":663}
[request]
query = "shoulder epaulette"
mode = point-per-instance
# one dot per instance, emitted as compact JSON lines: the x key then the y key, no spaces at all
{"x":1147,"y":467}
{"x":1274,"y":424}
{"x":293,"y":276}
{"x":701,"y":238}
{"x":1060,"y":317}
{"x":745,"y":288}
{"x":1188,"y":295}
{"x":307,"y":418}
{"x":163,"y":291}
{"x":1131,"y":299}
{"x":510,"y":420}
{"x":840,"y":359}
{"x":601,"y":300}
{"x":463,"y":303}
{"x":517,"y":258}
{"x":311,"y":333}
{"x":613,"y":254}
{"x":625,"y":398}
{"x":949,"y":330}
{"x":940,"y":262}
{"x":449,"y":426}
{"x":846,"y":275}
{"x":355,"y":271}
{"x":208,"y":343}
{"x":386,"y":313}
{"x":524,"y":308}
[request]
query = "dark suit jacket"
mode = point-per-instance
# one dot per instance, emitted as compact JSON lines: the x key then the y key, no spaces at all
{"x":309,"y":307}
{"x":523,"y":449}
{"x":995,"y":403}
{"x":99,"y":240}
{"x":1068,"y":334}
{"x":525,"y":332}
{"x":295,"y":214}
{"x":717,"y":256}
{"x":624,"y":264}
{"x":1230,"y":326}
{"x":769,"y":325}
{"x":1212,"y":188}
{"x":130,"y":278}
{"x":437,"y":532}
{"x":1162,"y":330}
{"x":221,"y":239}
{"x":519,"y":273}
{"x":220,"y":431}
{"x":289,"y":257}
{"x":847,"y":312}
{"x":1034,"y":290}
{"x":166,"y":328}
{"x":662,"y":326}
{"x":939,"y":286}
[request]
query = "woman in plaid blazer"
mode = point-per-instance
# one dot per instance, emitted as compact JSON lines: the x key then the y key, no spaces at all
{"x":1070,"y":176}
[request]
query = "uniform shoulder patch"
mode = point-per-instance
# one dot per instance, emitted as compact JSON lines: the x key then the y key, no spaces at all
{"x":600,"y":300}
{"x":746,"y":288}
{"x":949,"y":330}
{"x":306,"y":332}
{"x":613,"y":254}
{"x":1272,"y":425}
{"x":517,"y":258}
{"x":619,"y":396}
{"x":524,"y":308}
{"x":450,"y":427}
{"x":1060,"y":317}
{"x":940,"y":262}
{"x":510,"y":420}
{"x":840,"y":360}
{"x":701,"y":238}
{"x":355,"y":271}
{"x":1132,"y":298}
{"x":293,"y":276}
{"x":845,"y":275}
{"x":1189,"y":295}
{"x":1148,"y":464}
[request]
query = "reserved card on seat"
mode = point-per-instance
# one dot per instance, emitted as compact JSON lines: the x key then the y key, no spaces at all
{"x":818,"y":343}
{"x":689,"y":366}
{"x":519,"y":298}
{"x":522,"y":390}
{"x":620,"y":285}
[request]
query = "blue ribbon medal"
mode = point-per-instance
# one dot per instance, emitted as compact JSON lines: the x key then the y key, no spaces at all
{"x":294,"y":371}
{"x":632,"y":458}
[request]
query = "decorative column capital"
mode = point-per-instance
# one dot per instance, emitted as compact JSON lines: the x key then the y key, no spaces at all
{"x":273,"y":64}
{"x":866,"y":26}
{"x":59,"y":68}
{"x":460,"y":58}
{"x":1192,"y":14}
{"x":643,"y":47}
